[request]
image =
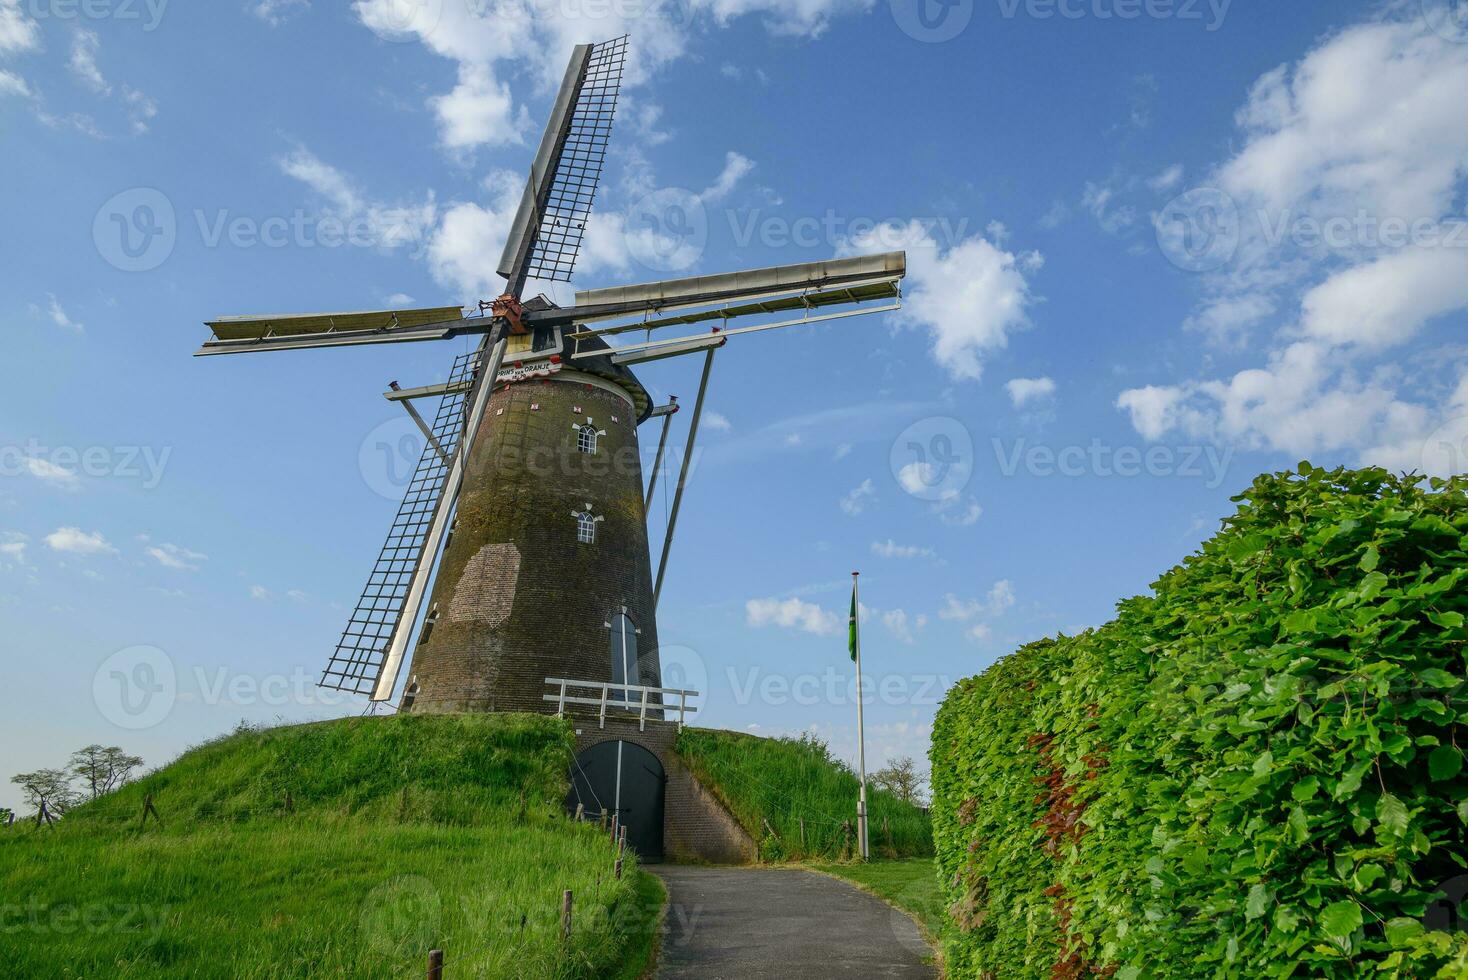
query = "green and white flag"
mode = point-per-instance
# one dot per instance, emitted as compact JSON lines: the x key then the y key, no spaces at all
{"x":851,"y":638}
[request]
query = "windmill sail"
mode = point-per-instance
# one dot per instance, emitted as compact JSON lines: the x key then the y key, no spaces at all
{"x":545,"y":240}
{"x":358,"y":662}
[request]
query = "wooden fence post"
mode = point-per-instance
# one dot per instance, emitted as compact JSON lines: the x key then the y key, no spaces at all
{"x":580,"y":812}
{"x":435,"y":964}
{"x":566,"y":916}
{"x":621,"y":843}
{"x":802,"y":834}
{"x":619,"y":869}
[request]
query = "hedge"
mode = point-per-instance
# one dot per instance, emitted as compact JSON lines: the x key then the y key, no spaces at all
{"x":1257,"y":771}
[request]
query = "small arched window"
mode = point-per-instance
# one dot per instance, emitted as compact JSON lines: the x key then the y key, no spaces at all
{"x":586,"y":440}
{"x":585,"y":529}
{"x":428,"y":624}
{"x":624,"y":654}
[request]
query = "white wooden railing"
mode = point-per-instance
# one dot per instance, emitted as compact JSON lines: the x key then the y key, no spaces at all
{"x":634,"y":699}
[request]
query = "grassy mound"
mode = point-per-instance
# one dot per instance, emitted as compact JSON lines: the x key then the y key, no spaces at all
{"x":1256,"y":772}
{"x":347,"y":848}
{"x":772,"y":785}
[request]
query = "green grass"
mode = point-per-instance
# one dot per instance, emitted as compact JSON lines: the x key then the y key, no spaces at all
{"x":911,"y":884}
{"x":783,"y":782}
{"x":401,"y":835}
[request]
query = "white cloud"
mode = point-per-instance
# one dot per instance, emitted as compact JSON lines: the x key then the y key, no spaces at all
{"x":13,"y":545}
{"x":901,"y":626}
{"x":384,"y":226}
{"x":1155,"y":410}
{"x":1227,"y":319}
{"x":260,"y":592}
{"x":797,"y":17}
{"x":83,"y":63}
{"x":1098,"y":200}
{"x":1055,"y":217}
{"x":954,"y":509}
{"x":58,"y":315}
{"x":974,"y":612}
{"x":796,"y":614}
{"x":464,"y":249}
{"x":1001,"y":597}
{"x":842,"y":451}
{"x":399,"y":299}
{"x":970,"y":297}
{"x":17,"y":31}
{"x":1168,"y":179}
{"x":1387,"y":301}
{"x":13,"y":84}
{"x":277,"y":12}
{"x":74,"y":541}
{"x":1371,"y":118}
{"x":717,"y":421}
{"x":175,"y":557}
{"x":999,"y":600}
{"x":1308,"y":399}
{"x":858,"y":499}
{"x":1025,"y":390}
{"x":736,"y":168}
{"x":478,"y":112}
{"x":49,"y":472}
{"x":891,"y":549}
{"x":141,"y":108}
{"x":1362,"y":134}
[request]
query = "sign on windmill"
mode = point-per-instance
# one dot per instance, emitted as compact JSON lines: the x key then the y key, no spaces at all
{"x":521,"y":546}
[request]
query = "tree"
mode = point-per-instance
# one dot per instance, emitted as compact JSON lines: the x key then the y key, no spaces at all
{"x":901,"y":778}
{"x":103,"y":769}
{"x":48,"y":788}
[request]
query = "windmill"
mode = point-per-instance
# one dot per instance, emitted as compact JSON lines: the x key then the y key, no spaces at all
{"x":521,"y":544}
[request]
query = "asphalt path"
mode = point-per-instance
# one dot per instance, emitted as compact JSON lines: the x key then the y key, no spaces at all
{"x":747,"y":923}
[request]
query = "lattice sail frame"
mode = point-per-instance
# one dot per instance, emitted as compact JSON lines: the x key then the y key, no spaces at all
{"x":573,"y":186}
{"x":358,"y":662}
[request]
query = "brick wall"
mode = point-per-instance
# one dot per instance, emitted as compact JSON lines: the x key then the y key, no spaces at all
{"x":696,"y":826}
{"x":518,"y":597}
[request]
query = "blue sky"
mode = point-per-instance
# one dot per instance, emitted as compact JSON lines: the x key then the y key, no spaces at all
{"x":1155,"y":248}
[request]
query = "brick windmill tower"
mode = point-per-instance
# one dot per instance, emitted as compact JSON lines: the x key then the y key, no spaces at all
{"x":520,"y":552}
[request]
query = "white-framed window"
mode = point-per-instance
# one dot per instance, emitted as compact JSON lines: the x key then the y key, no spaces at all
{"x":586,"y":440}
{"x":586,"y":523}
{"x":624,"y":653}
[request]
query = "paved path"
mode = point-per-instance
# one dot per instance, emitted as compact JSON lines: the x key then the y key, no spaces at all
{"x":747,"y":923}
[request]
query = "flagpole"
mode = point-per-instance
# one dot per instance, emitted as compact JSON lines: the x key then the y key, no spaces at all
{"x":861,"y":732}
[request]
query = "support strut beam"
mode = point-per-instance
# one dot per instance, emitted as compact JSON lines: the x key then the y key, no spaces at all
{"x":703,"y":387}
{"x":667,"y":412}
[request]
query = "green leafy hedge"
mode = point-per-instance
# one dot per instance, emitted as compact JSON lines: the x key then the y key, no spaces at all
{"x":1256,"y":772}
